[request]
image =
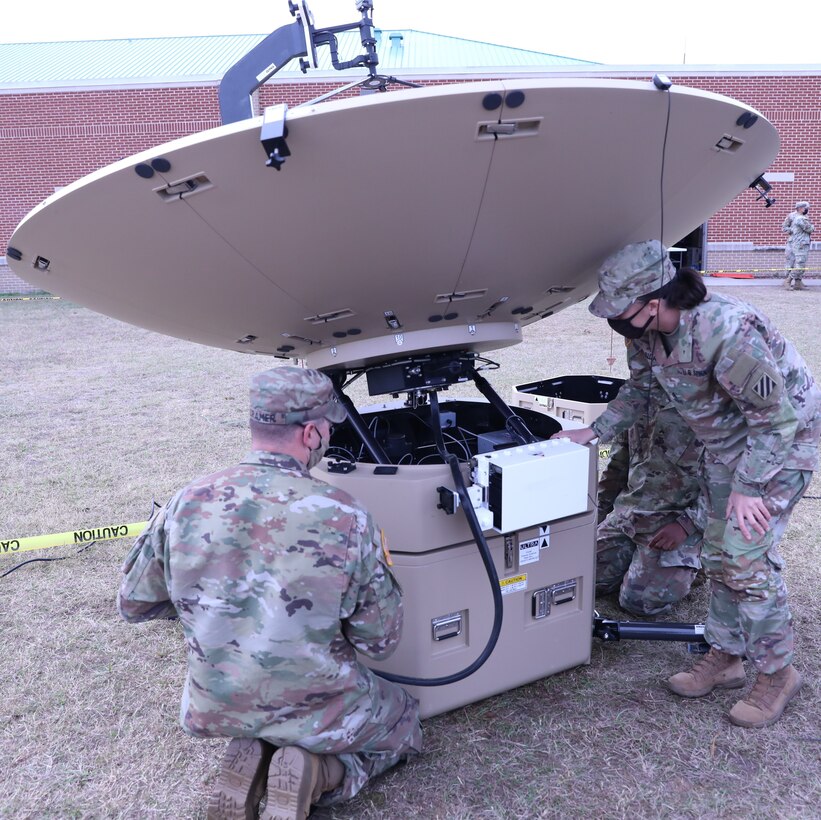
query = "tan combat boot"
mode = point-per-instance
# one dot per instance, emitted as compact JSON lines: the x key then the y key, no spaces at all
{"x":296,"y":780}
{"x":767,"y":699}
{"x":241,"y":781}
{"x":799,"y":285}
{"x":716,"y":670}
{"x":787,"y":281}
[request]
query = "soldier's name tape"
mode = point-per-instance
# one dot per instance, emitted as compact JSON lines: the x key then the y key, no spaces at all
{"x":38,"y":542}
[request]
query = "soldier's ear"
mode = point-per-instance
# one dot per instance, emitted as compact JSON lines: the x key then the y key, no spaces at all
{"x":653,"y":304}
{"x":308,"y":430}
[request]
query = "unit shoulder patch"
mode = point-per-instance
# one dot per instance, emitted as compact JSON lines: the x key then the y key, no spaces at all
{"x":754,"y":381}
{"x":764,"y":386}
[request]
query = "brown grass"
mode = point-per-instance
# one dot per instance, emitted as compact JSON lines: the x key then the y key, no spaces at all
{"x":101,"y":417}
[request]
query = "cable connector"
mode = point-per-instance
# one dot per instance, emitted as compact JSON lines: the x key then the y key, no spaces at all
{"x":448,"y":500}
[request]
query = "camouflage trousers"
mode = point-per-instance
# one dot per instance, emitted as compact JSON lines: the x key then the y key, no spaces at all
{"x":371,"y":744}
{"x":796,"y":262}
{"x":748,"y":613}
{"x":367,"y":742}
{"x":649,"y":581}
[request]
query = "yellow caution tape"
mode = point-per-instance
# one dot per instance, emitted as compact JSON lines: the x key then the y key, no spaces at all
{"x":753,"y":270}
{"x":26,"y":298}
{"x":40,"y":542}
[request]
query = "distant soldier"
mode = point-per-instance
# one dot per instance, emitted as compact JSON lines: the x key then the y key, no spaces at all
{"x":798,"y":228}
{"x":278,"y":579}
{"x":649,"y":534}
{"x":749,"y":397}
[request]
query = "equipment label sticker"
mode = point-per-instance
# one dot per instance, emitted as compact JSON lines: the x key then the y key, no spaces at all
{"x":514,"y":584}
{"x":544,"y":536}
{"x":529,"y":551}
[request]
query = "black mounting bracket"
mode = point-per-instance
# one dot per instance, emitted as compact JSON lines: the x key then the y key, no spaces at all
{"x":298,"y":40}
{"x":763,"y":188}
{"x":273,"y":134}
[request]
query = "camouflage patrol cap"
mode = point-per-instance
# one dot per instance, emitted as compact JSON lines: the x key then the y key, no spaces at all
{"x":802,"y":204}
{"x":293,"y":395}
{"x":632,"y":272}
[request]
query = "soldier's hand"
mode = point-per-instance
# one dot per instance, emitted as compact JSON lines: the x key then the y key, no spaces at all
{"x":668,"y":537}
{"x":750,"y":511}
{"x":583,"y":436}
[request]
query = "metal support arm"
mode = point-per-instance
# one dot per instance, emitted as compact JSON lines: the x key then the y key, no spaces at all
{"x":514,"y":424}
{"x":358,"y":424}
{"x":243,"y":78}
{"x":608,"y":630}
{"x":298,"y":39}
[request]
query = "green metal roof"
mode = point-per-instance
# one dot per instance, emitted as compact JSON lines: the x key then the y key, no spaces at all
{"x":198,"y":59}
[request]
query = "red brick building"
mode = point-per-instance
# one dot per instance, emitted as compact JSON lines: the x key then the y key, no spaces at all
{"x":56,"y":128}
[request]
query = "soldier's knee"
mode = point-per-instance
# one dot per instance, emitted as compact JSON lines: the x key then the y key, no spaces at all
{"x":667,"y":587}
{"x":642,"y":606}
{"x":749,"y":581}
{"x":605,"y":584}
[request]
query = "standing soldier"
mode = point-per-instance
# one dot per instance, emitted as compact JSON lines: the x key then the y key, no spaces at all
{"x":749,"y":397}
{"x":798,"y":228}
{"x":789,"y":253}
{"x":278,"y":580}
{"x":649,"y":534}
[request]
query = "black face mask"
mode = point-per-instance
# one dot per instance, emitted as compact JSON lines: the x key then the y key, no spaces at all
{"x":624,"y":328}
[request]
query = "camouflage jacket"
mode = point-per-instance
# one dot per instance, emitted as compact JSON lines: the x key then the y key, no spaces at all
{"x":741,"y":386}
{"x":800,"y":230}
{"x":277,"y":579}
{"x":653,"y":470}
{"x":786,"y":226}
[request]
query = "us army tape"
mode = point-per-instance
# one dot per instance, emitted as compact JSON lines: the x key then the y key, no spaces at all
{"x":38,"y":542}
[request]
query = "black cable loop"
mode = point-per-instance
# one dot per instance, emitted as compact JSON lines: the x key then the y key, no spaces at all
{"x":484,"y":552}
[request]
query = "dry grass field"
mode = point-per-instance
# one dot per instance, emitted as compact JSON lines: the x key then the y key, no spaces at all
{"x":99,"y":418}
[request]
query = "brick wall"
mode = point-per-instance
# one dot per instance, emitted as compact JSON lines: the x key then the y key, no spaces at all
{"x":11,"y":284}
{"x":791,"y":103}
{"x":50,"y":138}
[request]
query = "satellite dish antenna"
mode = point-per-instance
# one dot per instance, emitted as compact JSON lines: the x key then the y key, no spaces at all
{"x":404,"y":235}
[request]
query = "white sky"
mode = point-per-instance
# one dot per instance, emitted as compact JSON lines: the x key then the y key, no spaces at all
{"x":697,"y":32}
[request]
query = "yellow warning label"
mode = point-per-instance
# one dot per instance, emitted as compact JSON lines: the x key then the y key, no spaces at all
{"x":513,"y":584}
{"x":39,"y":542}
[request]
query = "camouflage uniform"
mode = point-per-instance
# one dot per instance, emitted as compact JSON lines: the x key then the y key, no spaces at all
{"x":800,"y":233}
{"x":748,"y":396}
{"x":787,"y":224}
{"x":278,"y":581}
{"x":798,"y":227}
{"x":651,"y":481}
